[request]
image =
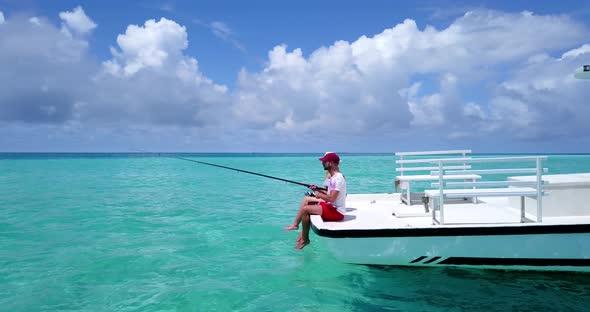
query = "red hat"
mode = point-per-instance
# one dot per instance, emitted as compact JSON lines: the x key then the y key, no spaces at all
{"x":331,"y":156}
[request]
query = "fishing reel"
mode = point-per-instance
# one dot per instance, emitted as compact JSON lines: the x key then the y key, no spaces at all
{"x":308,"y":193}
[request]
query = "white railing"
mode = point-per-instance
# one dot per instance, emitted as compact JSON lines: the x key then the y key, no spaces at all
{"x":401,"y":162}
{"x":489,"y":171}
{"x":401,"y":154}
{"x":523,"y":189}
{"x":409,"y":168}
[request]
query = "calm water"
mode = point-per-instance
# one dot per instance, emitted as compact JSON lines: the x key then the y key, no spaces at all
{"x":128,"y":233}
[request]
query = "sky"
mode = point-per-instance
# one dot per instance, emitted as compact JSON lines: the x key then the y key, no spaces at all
{"x":259,"y":76}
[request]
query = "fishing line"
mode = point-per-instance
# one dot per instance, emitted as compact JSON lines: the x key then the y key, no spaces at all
{"x":239,"y":170}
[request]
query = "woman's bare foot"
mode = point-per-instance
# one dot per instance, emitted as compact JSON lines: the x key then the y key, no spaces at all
{"x":291,"y":227}
{"x":302,"y":244}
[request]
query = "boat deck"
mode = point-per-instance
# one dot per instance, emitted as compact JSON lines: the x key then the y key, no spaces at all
{"x":386,"y":211}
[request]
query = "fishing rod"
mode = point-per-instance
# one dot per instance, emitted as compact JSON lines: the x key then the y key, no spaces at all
{"x":246,"y":171}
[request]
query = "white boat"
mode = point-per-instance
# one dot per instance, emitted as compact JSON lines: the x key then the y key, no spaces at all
{"x":532,"y":222}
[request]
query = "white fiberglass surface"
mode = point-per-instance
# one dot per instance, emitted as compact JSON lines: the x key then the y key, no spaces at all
{"x":376,"y":211}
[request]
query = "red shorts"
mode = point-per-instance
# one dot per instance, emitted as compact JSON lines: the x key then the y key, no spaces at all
{"x":330,"y":213}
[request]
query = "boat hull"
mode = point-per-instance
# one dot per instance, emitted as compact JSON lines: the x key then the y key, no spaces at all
{"x":504,"y":251}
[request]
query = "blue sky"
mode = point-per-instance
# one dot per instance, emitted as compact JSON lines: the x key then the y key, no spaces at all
{"x":306,"y":76}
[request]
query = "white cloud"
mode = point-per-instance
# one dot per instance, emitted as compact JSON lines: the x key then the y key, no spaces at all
{"x":77,"y":21}
{"x":544,"y":99}
{"x":512,"y":113}
{"x":438,"y":109}
{"x":538,"y":58}
{"x":43,"y":72}
{"x":222,"y":31}
{"x":158,"y":83}
{"x":474,"y":111}
{"x":35,"y":20}
{"x":402,"y":84}
{"x":1,"y":18}
{"x":427,"y":111}
{"x":359,"y":83}
{"x":576,"y":52}
{"x":149,"y":46}
{"x":55,"y":81}
{"x":307,"y":94}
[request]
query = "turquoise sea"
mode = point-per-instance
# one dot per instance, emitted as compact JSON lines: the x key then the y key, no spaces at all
{"x":133,"y":232}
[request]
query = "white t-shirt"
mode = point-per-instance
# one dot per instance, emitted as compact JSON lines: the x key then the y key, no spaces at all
{"x":326,"y":183}
{"x":338,"y":183}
